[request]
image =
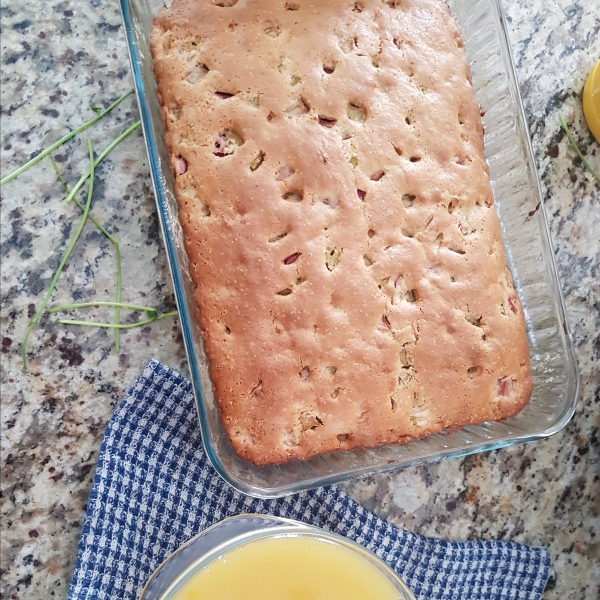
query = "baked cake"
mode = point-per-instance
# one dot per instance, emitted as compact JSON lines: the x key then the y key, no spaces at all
{"x":350,"y":275}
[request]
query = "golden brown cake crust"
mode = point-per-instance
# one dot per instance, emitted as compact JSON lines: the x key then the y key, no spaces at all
{"x":348,"y":261}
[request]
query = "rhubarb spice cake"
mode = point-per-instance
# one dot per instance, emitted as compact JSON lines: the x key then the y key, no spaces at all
{"x":347,"y":257}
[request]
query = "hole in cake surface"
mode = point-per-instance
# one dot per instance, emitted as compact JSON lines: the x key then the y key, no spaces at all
{"x":408,"y":199}
{"x":452,"y":206}
{"x":378,"y":175}
{"x":405,"y":358}
{"x":225,"y":3}
{"x":174,"y":114}
{"x":224,"y":95}
{"x":414,"y":159}
{"x":258,"y":160}
{"x":503,"y":386}
{"x":270,"y":116}
{"x":405,"y":376}
{"x":181,"y":165}
{"x":300,"y":280}
{"x":358,"y":8}
{"x":293,"y":196}
{"x":292,"y":6}
{"x":438,"y":241}
{"x":475,"y":321}
{"x":309,"y":420}
{"x":205,"y":210}
{"x":292,"y":258}
{"x":399,"y":42}
{"x":386,"y":322}
{"x":198,"y":73}
{"x":285,"y":292}
{"x":227,"y":142}
{"x":284,"y":173}
{"x":327,"y":122}
{"x":272,"y":31}
{"x":331,"y":201}
{"x":368,"y":262}
{"x":329,"y":67}
{"x":462,"y":159}
{"x":347,"y":45}
{"x":512,"y":303}
{"x":474,"y":370}
{"x":354,"y":161}
{"x":361,"y":194}
{"x":357,"y":112}
{"x":371,"y":233}
{"x":408,"y":120}
{"x":412,"y":296}
{"x":256,"y":388}
{"x":298,"y":109}
{"x":457,"y":250}
{"x":406,"y":233}
{"x":227,"y":330}
{"x":383,"y":283}
{"x":393,"y":404}
{"x":331,"y":370}
{"x":277,"y":237}
{"x":305,"y":372}
{"x":343,"y":437}
{"x":333,"y":256}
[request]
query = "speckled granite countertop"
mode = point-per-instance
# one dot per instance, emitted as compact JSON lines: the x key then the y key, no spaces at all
{"x":59,"y":59}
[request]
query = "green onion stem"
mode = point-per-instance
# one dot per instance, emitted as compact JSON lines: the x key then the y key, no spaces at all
{"x":71,"y":196}
{"x":116,"y":246}
{"x":64,"y":139}
{"x":64,"y":184}
{"x":576,"y":148}
{"x":65,"y":257}
{"x":100,"y":158}
{"x":147,"y":309}
{"x":118,"y":300}
{"x":118,"y":325}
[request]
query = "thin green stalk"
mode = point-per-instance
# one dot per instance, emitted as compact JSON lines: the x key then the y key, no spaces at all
{"x":64,"y":139}
{"x":65,"y":185}
{"x":576,"y":148}
{"x":116,"y":246}
{"x":65,"y":257}
{"x":100,"y":158}
{"x":118,"y":297}
{"x":119,"y":325}
{"x":147,"y":309}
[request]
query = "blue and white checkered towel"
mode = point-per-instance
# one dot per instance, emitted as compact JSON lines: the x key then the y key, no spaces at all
{"x":154,"y":488}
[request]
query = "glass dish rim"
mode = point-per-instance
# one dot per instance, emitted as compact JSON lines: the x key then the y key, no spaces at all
{"x":287,"y":527}
{"x":299,"y":485}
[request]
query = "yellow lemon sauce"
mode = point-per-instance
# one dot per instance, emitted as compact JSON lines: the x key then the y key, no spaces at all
{"x":288,"y":568}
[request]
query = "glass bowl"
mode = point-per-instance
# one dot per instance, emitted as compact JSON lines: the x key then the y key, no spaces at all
{"x":234,"y":532}
{"x":528,"y":248}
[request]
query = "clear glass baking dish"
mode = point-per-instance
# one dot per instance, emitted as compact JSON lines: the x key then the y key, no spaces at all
{"x":526,"y":238}
{"x":233,"y":532}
